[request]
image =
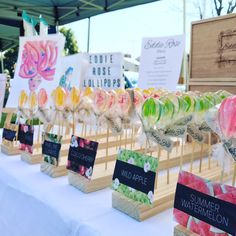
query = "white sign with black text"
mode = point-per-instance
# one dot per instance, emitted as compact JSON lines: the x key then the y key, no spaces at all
{"x":160,"y":62}
{"x":105,"y":71}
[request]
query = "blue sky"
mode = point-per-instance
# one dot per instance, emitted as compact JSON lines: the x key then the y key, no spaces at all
{"x":123,"y":30}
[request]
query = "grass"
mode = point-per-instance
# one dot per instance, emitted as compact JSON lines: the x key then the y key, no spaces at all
{"x":13,"y":120}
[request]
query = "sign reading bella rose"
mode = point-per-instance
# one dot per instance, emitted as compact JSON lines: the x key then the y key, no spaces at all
{"x":160,"y":62}
{"x":105,"y":71}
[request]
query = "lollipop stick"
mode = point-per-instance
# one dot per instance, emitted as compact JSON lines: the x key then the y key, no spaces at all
{"x":132,"y":137}
{"x":234,"y":175}
{"x":222,"y":173}
{"x":192,"y":156}
{"x":73,"y":125}
{"x":38,"y":138}
{"x":182,"y":154}
{"x":209,"y":150}
{"x":126,"y":135}
{"x":107,"y":146}
{"x":168,"y":169}
{"x":85,"y":131}
{"x":201,"y":153}
{"x":82,"y":130}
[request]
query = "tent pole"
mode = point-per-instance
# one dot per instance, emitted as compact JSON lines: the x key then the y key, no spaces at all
{"x":185,"y":55}
{"x":88,"y":38}
{"x":2,"y":64}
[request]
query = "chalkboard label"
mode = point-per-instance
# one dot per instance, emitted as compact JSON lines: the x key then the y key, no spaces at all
{"x":82,"y":155}
{"x":134,"y":177}
{"x":51,"y":149}
{"x":214,"y":211}
{"x":8,"y":134}
{"x":26,"y":134}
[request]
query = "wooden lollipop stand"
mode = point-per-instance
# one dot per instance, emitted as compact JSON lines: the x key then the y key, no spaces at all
{"x":182,"y":231}
{"x":10,"y":147}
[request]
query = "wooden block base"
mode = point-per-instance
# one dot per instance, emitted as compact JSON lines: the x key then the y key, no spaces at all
{"x":164,"y":194}
{"x":10,"y":150}
{"x":86,"y":185}
{"x":182,"y":231}
{"x":31,"y":158}
{"x":53,"y":171}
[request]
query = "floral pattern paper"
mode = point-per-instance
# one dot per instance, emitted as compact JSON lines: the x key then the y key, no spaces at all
{"x":147,"y":163}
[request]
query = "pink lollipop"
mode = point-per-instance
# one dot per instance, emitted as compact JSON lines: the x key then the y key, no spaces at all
{"x":124,"y":101}
{"x":227,"y":117}
{"x":138,"y":98}
{"x":42,"y":98}
{"x":112,"y":99}
{"x":101,"y":100}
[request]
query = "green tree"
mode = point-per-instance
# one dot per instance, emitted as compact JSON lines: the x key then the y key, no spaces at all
{"x":71,"y":45}
{"x":10,"y":58}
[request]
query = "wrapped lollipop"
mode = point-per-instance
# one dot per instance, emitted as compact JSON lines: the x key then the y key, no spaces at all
{"x":59,"y":101}
{"x":123,"y":105}
{"x":33,"y":104}
{"x":22,"y":102}
{"x":43,"y":111}
{"x":222,"y":121}
{"x":85,"y":111}
{"x":111,"y":116}
{"x":74,"y":103}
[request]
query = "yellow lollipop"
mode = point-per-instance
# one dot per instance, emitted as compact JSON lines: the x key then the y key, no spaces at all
{"x":32,"y":101}
{"x":88,"y":92}
{"x":22,"y":99}
{"x":59,"y":97}
{"x":74,"y":97}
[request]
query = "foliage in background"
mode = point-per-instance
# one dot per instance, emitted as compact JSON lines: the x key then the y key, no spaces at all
{"x":10,"y":58}
{"x":71,"y":45}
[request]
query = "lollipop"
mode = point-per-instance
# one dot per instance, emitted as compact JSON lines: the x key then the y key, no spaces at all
{"x":124,"y":101}
{"x":42,"y":98}
{"x":33,"y":101}
{"x":100,"y":100}
{"x":59,"y":98}
{"x":22,"y":99}
{"x":151,"y":111}
{"x":74,"y":98}
{"x":138,"y":99}
{"x":112,"y":99}
{"x":227,"y":117}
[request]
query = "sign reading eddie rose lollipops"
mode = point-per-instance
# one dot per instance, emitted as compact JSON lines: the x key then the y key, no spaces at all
{"x":134,"y":176}
{"x":105,"y":71}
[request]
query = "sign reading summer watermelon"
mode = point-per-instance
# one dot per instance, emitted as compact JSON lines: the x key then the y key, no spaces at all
{"x":160,"y":62}
{"x":134,"y":176}
{"x":105,"y":71}
{"x":203,"y":206}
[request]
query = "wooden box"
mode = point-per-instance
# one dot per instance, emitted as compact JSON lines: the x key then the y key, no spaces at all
{"x":213,"y":54}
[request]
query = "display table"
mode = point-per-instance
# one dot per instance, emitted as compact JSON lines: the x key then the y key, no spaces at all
{"x":32,"y":203}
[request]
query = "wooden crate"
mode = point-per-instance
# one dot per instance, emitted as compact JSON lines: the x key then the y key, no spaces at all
{"x":213,"y":54}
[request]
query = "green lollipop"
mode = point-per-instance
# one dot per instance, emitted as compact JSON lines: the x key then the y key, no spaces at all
{"x":151,"y":111}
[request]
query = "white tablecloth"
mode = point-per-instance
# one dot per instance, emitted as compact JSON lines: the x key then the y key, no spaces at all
{"x":32,"y":203}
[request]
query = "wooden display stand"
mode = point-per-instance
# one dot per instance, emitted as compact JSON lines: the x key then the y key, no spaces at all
{"x":9,"y":147}
{"x":52,"y":170}
{"x":212,"y":60}
{"x":164,"y":194}
{"x":182,"y":231}
{"x":31,"y":158}
{"x":107,"y":155}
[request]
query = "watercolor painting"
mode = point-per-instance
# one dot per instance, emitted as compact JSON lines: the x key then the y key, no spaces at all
{"x":38,"y":65}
